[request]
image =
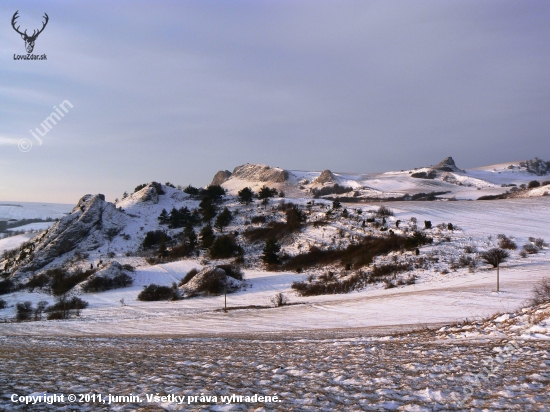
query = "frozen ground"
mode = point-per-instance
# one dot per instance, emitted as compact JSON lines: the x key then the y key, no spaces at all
{"x":346,"y":372}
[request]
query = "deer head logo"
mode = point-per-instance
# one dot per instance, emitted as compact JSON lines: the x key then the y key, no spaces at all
{"x":29,"y":40}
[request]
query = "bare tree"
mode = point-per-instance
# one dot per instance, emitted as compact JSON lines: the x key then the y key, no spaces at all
{"x":495,"y":257}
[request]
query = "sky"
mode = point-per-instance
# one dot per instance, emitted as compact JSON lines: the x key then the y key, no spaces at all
{"x":177,"y":90}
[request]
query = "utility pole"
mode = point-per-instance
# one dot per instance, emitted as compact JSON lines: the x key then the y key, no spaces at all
{"x":225,"y":298}
{"x":498,"y":274}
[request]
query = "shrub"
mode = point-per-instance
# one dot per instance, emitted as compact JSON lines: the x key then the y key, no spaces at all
{"x":224,"y":247}
{"x":3,"y":304}
{"x":24,"y":311}
{"x":258,"y":219}
{"x":330,"y":190}
{"x":190,"y":275}
{"x":62,"y":282}
{"x":470,"y":249}
{"x":384,"y":211}
{"x":530,"y":249}
{"x":37,"y":281}
{"x":213,"y":282}
{"x":495,"y":256}
{"x":154,"y":238}
{"x":539,"y":242}
{"x":190,"y":190}
{"x":294,"y":218}
{"x":275,"y":230}
{"x":233,"y":271}
{"x":139,"y":187}
{"x":505,"y":242}
{"x":6,"y":287}
{"x":279,"y":300}
{"x":427,"y":224}
{"x":358,"y":254}
{"x":65,"y":305}
{"x":156,"y":292}
{"x":533,"y":183}
{"x":101,"y":283}
{"x":541,"y":292}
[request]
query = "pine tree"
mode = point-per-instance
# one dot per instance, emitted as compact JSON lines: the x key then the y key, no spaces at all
{"x":190,"y":236}
{"x":207,"y":236}
{"x":207,"y":209}
{"x":163,"y":217}
{"x":246,"y":196}
{"x":270,"y":251}
{"x":223,"y":219}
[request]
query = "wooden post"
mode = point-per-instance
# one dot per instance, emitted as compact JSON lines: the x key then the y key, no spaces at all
{"x":225,"y":298}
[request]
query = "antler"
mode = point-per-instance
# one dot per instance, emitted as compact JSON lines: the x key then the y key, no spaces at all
{"x":15,"y":16}
{"x":43,"y":26}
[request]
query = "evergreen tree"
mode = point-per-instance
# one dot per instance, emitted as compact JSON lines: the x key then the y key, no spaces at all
{"x":207,"y":236}
{"x":163,"y":217}
{"x":207,"y":209}
{"x":190,"y":190}
{"x":223,"y":219}
{"x":266,"y":192}
{"x":246,"y":196}
{"x":271,"y":248}
{"x":190,"y":236}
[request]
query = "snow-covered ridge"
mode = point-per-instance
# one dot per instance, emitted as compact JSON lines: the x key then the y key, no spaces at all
{"x":445,"y":178}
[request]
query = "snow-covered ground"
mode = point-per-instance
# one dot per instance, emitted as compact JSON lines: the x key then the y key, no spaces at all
{"x":435,"y":298}
{"x":33,"y":210}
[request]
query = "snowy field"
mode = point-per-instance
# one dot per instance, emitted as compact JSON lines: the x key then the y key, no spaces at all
{"x":33,"y":210}
{"x":433,"y":300}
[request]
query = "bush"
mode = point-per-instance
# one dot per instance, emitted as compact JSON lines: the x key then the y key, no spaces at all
{"x":384,"y":211}
{"x":190,"y":275}
{"x":330,"y":190}
{"x":533,"y":183}
{"x":3,"y":304}
{"x":37,"y":281}
{"x":154,"y":238}
{"x":6,"y":286}
{"x":101,"y":283}
{"x":541,"y":292}
{"x":65,"y":305}
{"x":24,"y":311}
{"x":224,"y":247}
{"x":258,"y":219}
{"x":62,"y":282}
{"x":530,"y":249}
{"x":233,"y":271}
{"x":495,"y":256}
{"x":279,"y":300}
{"x":274,"y":230}
{"x":505,"y":242}
{"x":213,"y":282}
{"x":427,"y":224}
{"x":358,"y":255}
{"x":156,"y":292}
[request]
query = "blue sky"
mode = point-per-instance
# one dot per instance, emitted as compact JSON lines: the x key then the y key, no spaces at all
{"x":177,"y":90}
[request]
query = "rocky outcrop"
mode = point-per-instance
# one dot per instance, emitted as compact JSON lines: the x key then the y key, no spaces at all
{"x":447,"y":165}
{"x":149,"y":193}
{"x":211,"y":280}
{"x":220,"y":177}
{"x":91,"y":223}
{"x":326,"y":177}
{"x":260,"y":173}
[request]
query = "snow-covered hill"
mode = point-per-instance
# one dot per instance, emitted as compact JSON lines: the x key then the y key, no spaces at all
{"x":444,"y":176}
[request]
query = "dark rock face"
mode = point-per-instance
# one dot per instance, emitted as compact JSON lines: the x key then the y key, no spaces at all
{"x":220,"y":177}
{"x":91,"y":223}
{"x":447,"y":165}
{"x":326,"y":177}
